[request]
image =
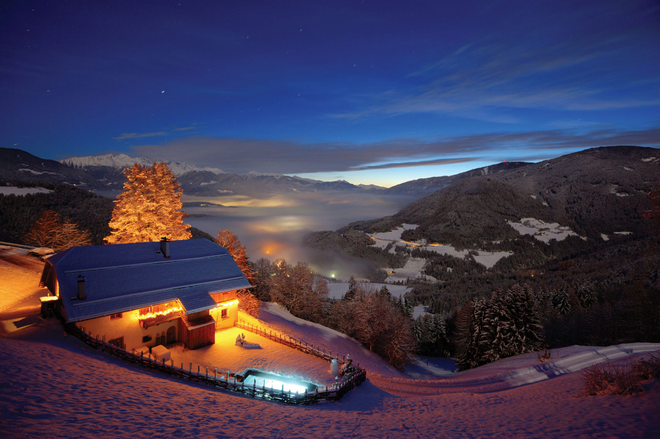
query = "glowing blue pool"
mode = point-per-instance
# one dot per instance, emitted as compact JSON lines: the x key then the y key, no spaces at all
{"x":273,"y":381}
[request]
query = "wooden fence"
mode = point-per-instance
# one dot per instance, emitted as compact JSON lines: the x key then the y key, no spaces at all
{"x":293,"y":342}
{"x":228,"y":380}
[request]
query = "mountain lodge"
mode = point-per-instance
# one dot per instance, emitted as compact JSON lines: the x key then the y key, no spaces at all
{"x":145,"y":294}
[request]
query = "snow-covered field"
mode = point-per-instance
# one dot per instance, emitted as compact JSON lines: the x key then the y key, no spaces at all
{"x":11,"y":190}
{"x":53,"y":385}
{"x":542,"y":231}
{"x":382,"y":240}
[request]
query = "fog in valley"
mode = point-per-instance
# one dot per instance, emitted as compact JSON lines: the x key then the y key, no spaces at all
{"x":275,"y":228}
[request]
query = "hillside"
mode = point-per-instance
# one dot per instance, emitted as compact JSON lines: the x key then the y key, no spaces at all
{"x":18,"y":165}
{"x":570,"y":228}
{"x":597,"y":192}
{"x":54,"y":385}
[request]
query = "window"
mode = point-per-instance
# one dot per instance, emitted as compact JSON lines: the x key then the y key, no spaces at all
{"x":223,"y":313}
{"x":115,"y":316}
{"x":146,"y":339}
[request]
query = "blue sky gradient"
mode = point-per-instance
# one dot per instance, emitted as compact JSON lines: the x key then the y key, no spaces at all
{"x":368,"y":91}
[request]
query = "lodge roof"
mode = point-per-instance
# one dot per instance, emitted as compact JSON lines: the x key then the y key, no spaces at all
{"x":124,"y":277}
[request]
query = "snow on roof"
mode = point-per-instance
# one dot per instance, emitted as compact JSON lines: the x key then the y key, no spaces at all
{"x":124,"y":277}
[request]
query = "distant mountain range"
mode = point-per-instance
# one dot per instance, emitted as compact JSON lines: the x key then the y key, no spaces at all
{"x":584,"y":190}
{"x":105,"y":172}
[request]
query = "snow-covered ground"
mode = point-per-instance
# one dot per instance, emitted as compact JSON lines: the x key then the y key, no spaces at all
{"x":382,"y":240}
{"x":11,"y":190}
{"x":122,"y":161}
{"x":541,"y":230}
{"x":413,"y":269}
{"x":53,"y":385}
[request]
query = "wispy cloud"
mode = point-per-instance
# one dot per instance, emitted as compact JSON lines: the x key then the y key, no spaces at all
{"x":126,"y":136}
{"x":412,"y":164}
{"x":495,"y":75}
{"x":293,"y":157}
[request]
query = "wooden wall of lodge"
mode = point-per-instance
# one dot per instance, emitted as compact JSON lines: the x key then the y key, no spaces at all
{"x":195,"y":337}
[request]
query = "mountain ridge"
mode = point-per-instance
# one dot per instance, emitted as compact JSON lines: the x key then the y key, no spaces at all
{"x":598,"y":193}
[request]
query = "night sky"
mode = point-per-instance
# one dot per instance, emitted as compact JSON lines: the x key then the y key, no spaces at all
{"x":368,"y":91}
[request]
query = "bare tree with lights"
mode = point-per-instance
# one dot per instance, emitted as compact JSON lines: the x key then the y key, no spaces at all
{"x":149,"y":208}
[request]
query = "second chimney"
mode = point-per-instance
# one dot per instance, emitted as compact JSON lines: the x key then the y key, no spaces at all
{"x":165,"y":247}
{"x":81,"y":288}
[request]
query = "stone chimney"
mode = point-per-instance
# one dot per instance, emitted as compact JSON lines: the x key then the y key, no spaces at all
{"x":81,"y":288}
{"x":165,"y":247}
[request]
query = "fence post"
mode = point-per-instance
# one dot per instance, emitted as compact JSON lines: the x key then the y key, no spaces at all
{"x":198,"y":369}
{"x":191,"y":367}
{"x":207,"y":371}
{"x":182,"y":365}
{"x":216,"y":374}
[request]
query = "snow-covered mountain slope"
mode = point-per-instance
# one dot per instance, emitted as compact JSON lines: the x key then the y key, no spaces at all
{"x":122,"y":161}
{"x":53,"y":385}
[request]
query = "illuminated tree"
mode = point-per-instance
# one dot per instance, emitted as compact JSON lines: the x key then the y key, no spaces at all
{"x":228,"y":240}
{"x":50,"y":231}
{"x":149,"y":208}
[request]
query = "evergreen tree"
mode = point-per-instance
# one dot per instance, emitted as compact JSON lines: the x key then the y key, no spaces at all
{"x":430,"y":332}
{"x":149,"y":208}
{"x":561,"y":301}
{"x":352,"y":289}
{"x":496,"y":336}
{"x":526,"y":331}
{"x":503,"y":326}
{"x":586,"y":296}
{"x":469,"y":342}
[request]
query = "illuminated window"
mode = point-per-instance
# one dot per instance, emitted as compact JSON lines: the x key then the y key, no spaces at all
{"x":115,"y":316}
{"x":224,"y":313}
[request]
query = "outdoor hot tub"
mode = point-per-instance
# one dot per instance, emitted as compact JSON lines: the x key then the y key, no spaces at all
{"x":274,"y":381}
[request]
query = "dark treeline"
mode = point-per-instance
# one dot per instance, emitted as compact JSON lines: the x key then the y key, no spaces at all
{"x":602,"y":297}
{"x":88,"y":211}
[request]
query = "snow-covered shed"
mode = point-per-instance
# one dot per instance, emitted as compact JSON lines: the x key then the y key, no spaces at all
{"x":148,"y":293}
